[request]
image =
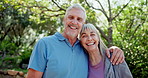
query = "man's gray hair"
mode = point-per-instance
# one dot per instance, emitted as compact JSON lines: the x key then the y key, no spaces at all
{"x":77,"y":6}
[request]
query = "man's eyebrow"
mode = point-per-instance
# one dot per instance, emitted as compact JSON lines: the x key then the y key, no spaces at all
{"x":69,"y":15}
{"x":80,"y":17}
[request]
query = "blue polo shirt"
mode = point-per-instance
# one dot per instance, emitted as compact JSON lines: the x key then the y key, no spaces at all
{"x":55,"y":56}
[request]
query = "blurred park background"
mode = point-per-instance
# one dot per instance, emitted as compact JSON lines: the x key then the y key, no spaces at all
{"x":123,"y":23}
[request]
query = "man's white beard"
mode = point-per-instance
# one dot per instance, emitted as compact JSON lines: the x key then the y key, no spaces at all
{"x":73,"y":35}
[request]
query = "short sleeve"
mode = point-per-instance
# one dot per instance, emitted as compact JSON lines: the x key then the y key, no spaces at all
{"x":38,"y":57}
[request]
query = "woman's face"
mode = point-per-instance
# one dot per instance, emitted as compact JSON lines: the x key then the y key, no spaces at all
{"x":89,"y":40}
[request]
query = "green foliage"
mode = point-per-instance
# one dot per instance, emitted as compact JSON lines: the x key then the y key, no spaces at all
{"x":21,"y":23}
{"x":8,"y":52}
{"x":10,"y":57}
{"x":130,"y":34}
{"x":91,"y":15}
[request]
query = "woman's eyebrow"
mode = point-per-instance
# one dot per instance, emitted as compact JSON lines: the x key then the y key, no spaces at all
{"x":83,"y":33}
{"x":92,"y":32}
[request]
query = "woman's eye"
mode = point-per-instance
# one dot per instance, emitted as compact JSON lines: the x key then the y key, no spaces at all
{"x":84,"y":36}
{"x":92,"y":34}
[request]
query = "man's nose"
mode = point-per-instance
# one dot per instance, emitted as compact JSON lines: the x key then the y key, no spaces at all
{"x":74,"y":21}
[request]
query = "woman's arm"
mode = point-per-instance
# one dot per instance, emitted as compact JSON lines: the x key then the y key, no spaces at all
{"x":34,"y":74}
{"x":123,"y":70}
{"x":117,"y":71}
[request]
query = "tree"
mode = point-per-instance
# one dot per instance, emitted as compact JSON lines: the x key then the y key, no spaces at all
{"x":22,"y":22}
{"x":110,"y":16}
{"x":130,"y":33}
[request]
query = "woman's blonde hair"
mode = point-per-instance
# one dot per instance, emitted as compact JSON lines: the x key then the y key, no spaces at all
{"x":101,"y":45}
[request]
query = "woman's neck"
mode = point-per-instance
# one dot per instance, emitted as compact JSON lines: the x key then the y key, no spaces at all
{"x":95,"y":57}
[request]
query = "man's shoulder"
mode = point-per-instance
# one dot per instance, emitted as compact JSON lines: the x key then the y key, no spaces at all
{"x":47,"y":37}
{"x":50,"y":37}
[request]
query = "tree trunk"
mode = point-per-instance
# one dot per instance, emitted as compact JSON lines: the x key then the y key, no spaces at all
{"x":110,"y":39}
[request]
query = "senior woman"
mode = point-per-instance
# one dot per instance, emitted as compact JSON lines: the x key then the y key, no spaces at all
{"x":99,"y":64}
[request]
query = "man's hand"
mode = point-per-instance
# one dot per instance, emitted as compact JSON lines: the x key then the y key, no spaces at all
{"x":117,"y":55}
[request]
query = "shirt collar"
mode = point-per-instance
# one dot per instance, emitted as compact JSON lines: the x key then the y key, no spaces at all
{"x":59,"y":36}
{"x":62,"y":38}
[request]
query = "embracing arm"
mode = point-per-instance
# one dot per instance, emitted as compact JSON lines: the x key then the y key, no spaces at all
{"x":34,"y":74}
{"x":117,"y":55}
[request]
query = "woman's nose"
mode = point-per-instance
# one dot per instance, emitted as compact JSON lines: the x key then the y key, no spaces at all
{"x":89,"y":38}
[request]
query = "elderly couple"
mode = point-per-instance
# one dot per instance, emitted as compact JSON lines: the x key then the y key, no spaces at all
{"x":64,"y":55}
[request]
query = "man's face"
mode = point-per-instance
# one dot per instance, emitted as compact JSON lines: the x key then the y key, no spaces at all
{"x":73,"y":22}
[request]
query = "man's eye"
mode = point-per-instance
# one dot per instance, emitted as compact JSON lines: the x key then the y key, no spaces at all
{"x":71,"y":17}
{"x":79,"y":19}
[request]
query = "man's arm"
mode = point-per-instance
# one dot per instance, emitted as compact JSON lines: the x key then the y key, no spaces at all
{"x":34,"y":74}
{"x":117,"y":55}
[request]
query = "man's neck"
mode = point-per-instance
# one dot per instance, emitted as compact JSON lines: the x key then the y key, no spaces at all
{"x":71,"y":39}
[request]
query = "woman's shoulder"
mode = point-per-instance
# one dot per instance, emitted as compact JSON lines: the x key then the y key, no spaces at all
{"x":121,"y":70}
